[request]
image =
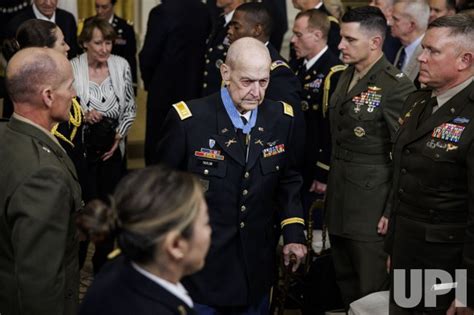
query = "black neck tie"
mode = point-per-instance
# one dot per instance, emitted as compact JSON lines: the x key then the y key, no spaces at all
{"x":401,"y":58}
{"x":240,"y":134}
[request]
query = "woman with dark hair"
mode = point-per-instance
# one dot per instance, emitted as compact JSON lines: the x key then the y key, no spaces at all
{"x":159,"y":217}
{"x":32,"y":33}
{"x":103,"y":82}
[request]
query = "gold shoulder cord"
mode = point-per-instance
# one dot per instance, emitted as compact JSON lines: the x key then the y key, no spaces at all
{"x":327,"y":86}
{"x":75,"y":119}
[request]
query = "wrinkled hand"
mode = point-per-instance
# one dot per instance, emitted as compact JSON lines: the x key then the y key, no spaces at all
{"x":452,"y":310}
{"x":92,"y":117}
{"x":318,"y":187}
{"x":298,"y":250}
{"x":382,"y":227}
{"x":107,"y":155}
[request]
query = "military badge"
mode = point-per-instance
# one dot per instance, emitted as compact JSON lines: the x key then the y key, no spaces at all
{"x":258,"y":141}
{"x":304,"y":106}
{"x":449,"y":132}
{"x":212,"y":143}
{"x":230,"y":142}
{"x":359,"y":131}
{"x":433,"y":144}
{"x":372,"y":98}
{"x":461,"y":120}
{"x":273,"y":150}
{"x":209,"y":154}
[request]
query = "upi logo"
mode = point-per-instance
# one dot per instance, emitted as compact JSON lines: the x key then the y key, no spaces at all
{"x":436,"y":283}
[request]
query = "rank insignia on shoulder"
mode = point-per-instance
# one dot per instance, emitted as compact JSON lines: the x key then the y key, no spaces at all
{"x":278,"y":63}
{"x":287,"y":109}
{"x":183,"y":110}
{"x":46,"y":149}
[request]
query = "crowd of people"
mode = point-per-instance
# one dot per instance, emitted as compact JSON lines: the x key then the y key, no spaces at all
{"x":371,"y":114}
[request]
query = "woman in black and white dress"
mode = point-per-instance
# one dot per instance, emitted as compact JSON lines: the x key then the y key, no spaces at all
{"x":103,"y":83}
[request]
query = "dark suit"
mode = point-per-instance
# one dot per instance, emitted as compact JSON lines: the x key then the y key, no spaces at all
{"x":39,"y":195}
{"x":277,"y":9}
{"x":171,"y":61}
{"x":216,"y":52}
{"x":8,"y":10}
{"x":120,"y":289}
{"x":318,"y":139}
{"x":363,"y":123}
{"x":433,"y":189}
{"x":244,"y":197}
{"x":391,"y":46}
{"x":64,"y":19}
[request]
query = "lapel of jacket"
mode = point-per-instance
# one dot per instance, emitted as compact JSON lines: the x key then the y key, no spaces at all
{"x":339,"y":95}
{"x":260,"y":134}
{"x":445,"y":113}
{"x":150,"y":289}
{"x":34,"y":132}
{"x":226,"y":136}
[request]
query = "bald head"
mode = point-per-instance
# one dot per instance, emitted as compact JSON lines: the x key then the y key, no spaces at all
{"x":246,"y":72}
{"x":248,"y":51}
{"x":30,"y":70}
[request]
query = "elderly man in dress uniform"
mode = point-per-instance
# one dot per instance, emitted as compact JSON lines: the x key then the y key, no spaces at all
{"x":363,"y":114}
{"x":433,"y":187}
{"x":239,"y":144}
{"x":39,"y":190}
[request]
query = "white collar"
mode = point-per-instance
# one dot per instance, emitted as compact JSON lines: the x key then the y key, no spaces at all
{"x":228,"y":17}
{"x":318,"y":5}
{"x":246,"y":115}
{"x":176,"y":289}
{"x":40,"y":15}
{"x":312,"y":61}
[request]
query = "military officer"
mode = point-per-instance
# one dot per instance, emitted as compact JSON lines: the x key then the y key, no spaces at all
{"x":431,"y":225}
{"x":239,"y":144}
{"x":216,"y":47}
{"x":39,"y":192}
{"x":125,"y":44}
{"x":318,"y":70}
{"x":363,"y":113}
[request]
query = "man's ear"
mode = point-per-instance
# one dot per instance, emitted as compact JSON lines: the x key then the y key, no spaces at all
{"x":47,"y":96}
{"x":466,"y":60}
{"x":225,"y":73}
{"x":376,"y":42}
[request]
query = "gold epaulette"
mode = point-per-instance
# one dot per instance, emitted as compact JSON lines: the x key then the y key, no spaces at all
{"x":291,"y":221}
{"x":75,"y":119}
{"x":183,"y":110}
{"x":333,"y":19}
{"x":287,"y":109}
{"x":327,"y":86}
{"x":278,"y":63}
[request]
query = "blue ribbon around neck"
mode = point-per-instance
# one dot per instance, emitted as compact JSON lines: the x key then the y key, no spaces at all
{"x":234,"y":114}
